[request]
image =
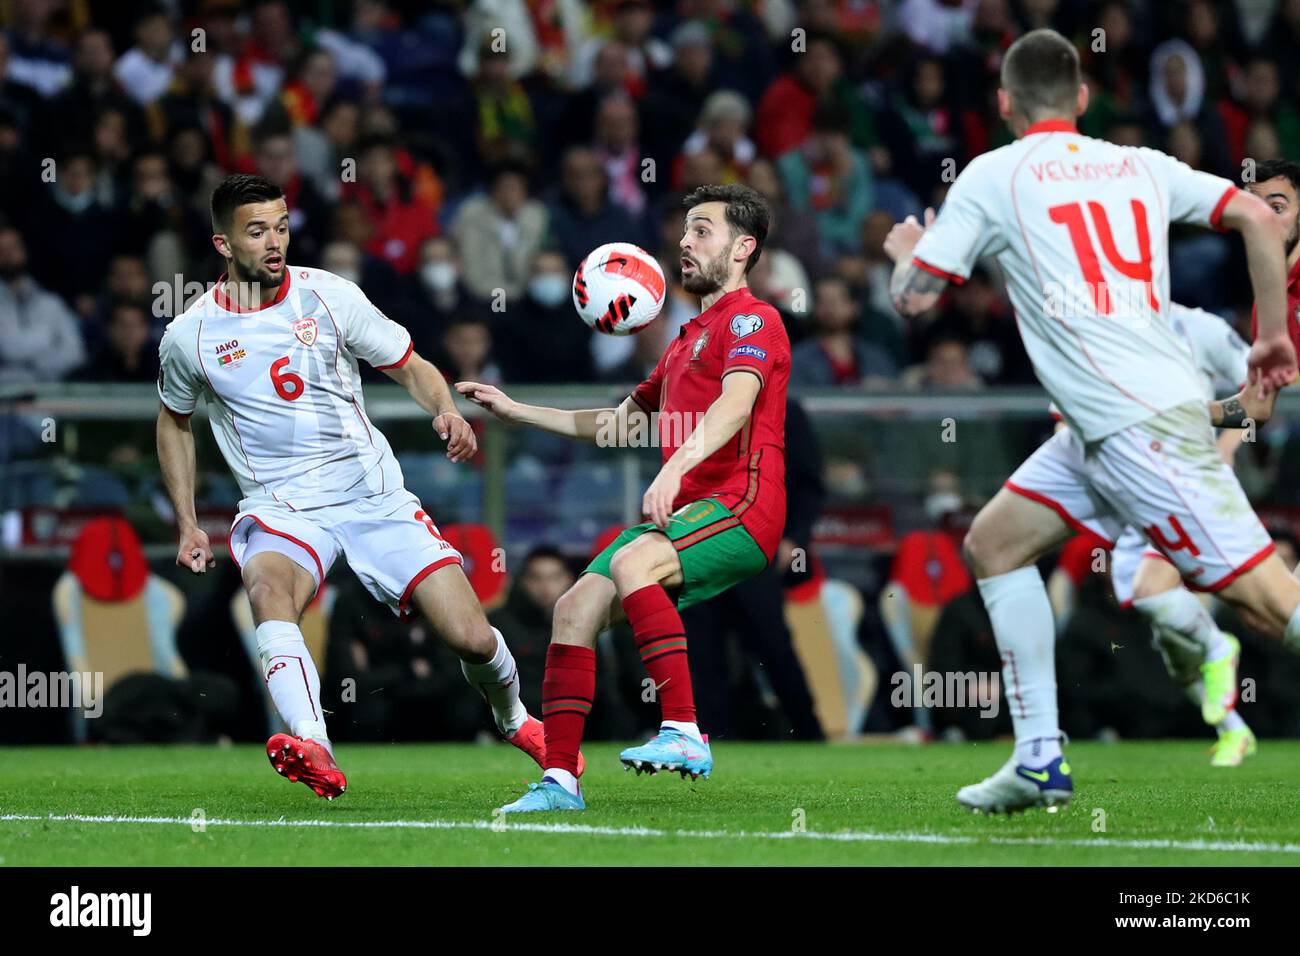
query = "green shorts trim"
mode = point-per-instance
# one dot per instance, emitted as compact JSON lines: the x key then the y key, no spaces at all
{"x":713,"y":546}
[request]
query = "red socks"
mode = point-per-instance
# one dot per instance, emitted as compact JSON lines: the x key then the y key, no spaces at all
{"x":567,"y":692}
{"x":661,"y":640}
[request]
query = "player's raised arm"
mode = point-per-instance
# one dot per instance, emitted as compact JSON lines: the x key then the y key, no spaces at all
{"x":726,"y":416}
{"x":1272,"y":359}
{"x":425,"y":383}
{"x":913,"y":288}
{"x":176,"y":458}
{"x":587,"y":424}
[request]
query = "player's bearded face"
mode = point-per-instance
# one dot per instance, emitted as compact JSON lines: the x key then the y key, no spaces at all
{"x":258,"y":243}
{"x":708,"y":273}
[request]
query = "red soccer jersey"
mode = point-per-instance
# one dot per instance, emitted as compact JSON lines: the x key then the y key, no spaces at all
{"x":747,"y":474}
{"x":1292,"y":309}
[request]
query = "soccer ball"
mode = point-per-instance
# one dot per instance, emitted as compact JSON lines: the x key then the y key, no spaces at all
{"x":618,"y":289}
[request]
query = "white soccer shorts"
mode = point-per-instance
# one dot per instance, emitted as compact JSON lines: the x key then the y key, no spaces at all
{"x":390,"y":542}
{"x":1164,"y":476}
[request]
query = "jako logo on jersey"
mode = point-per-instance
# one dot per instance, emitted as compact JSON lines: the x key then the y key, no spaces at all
{"x":751,"y":350}
{"x":232,"y":344}
{"x":304,"y":330}
{"x":742,"y":325}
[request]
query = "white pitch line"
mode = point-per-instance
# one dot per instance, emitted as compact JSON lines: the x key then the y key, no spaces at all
{"x":581,"y":829}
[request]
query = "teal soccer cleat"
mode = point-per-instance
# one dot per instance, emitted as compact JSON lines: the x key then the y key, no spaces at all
{"x":544,"y":796}
{"x":671,"y":750}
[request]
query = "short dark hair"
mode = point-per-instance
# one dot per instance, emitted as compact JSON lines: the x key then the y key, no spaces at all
{"x":747,"y":212}
{"x":240,"y":190}
{"x":1274,"y":168}
{"x":1041,"y":72}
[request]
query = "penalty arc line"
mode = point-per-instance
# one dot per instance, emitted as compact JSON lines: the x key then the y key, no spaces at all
{"x":579,"y":829}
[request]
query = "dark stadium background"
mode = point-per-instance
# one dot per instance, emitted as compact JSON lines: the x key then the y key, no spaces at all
{"x":481,"y":177}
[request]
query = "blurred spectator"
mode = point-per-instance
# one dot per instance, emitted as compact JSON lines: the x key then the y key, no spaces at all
{"x":784,"y":119}
{"x":525,"y":618}
{"x":1178,"y":99}
{"x":39,"y":337}
{"x":975,"y":314}
{"x":671,"y":103}
{"x":18,"y":99}
{"x":922,"y":130}
{"x":829,"y":179}
{"x":313,"y":81}
{"x":1261,"y":102}
{"x":498,"y":234}
{"x":191,"y":102}
{"x":582,"y":216}
{"x":93,"y":90}
{"x":467,"y":352}
{"x":145,"y":71}
{"x":321,"y":151}
{"x":309,"y":214}
{"x":505,"y":125}
{"x":946,"y":368}
{"x":37,"y":59}
{"x":158,"y":222}
{"x":645,"y":54}
{"x":542,"y":340}
{"x":441,"y":293}
{"x":129,"y":354}
{"x":617,"y":146}
{"x":398,"y":219}
{"x":797,"y":234}
{"x":71,"y":233}
{"x":724,"y":120}
{"x":835,"y":354}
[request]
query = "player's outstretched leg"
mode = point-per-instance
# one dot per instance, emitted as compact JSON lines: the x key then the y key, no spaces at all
{"x":638,"y":568}
{"x":1182,"y":640}
{"x":452,"y":609}
{"x":278,"y":590}
{"x":1006,"y":537}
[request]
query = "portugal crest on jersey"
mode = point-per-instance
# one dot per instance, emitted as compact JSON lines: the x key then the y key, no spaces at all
{"x":304,"y":330}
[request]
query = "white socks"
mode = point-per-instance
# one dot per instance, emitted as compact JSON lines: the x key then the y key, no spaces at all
{"x":565,"y":779}
{"x":1179,"y":611}
{"x":291,"y":678}
{"x":498,"y":682}
{"x":689,"y":728}
{"x":1017,"y":605}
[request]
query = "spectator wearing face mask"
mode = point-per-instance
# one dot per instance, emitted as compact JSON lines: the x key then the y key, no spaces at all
{"x":437,"y":295}
{"x":542,"y":340}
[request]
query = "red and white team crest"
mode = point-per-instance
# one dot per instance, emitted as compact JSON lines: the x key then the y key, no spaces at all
{"x":304,"y":330}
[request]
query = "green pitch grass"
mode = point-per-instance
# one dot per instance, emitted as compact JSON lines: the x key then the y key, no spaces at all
{"x":1139,"y":803}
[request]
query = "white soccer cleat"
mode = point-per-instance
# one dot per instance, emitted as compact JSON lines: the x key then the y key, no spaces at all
{"x":1016,"y":787}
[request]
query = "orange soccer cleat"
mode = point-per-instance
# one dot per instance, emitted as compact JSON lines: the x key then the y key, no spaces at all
{"x":303,"y":759}
{"x":531,"y":739}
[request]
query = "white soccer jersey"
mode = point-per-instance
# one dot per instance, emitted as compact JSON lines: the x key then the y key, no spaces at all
{"x":1218,"y":352}
{"x":283,"y":389}
{"x":1080,"y":228}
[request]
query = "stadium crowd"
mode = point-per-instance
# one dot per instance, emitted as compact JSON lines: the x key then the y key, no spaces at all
{"x":456,"y":159}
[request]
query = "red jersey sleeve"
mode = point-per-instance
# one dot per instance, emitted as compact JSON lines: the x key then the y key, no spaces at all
{"x":647,"y":394}
{"x":755,"y":340}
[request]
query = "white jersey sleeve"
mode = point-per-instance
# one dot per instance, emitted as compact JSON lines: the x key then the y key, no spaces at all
{"x":1219,"y":352}
{"x":1194,"y":197}
{"x":180,"y":383}
{"x":367,"y":333}
{"x":966,"y":228}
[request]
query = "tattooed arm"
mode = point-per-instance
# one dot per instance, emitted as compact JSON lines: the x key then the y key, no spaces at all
{"x":1242,"y":410}
{"x":912,"y":289}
